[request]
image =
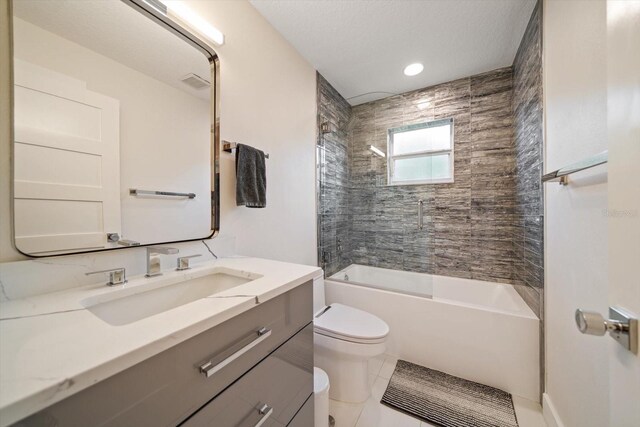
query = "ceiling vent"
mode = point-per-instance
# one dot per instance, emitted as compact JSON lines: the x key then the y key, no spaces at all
{"x":195,"y":81}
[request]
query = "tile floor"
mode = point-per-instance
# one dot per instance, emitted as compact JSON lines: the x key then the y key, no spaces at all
{"x":372,"y":413}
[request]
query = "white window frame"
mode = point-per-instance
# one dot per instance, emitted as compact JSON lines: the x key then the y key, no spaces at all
{"x":427,"y":153}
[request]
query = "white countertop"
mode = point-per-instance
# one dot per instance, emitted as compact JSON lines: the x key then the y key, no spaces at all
{"x":52,"y":347}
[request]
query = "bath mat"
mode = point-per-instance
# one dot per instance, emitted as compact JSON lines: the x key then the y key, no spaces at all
{"x":445,"y":400}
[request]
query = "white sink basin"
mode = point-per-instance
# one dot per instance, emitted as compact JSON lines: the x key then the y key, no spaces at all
{"x":123,"y":306}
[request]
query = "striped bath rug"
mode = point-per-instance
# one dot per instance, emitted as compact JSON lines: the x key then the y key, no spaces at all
{"x":448,"y":401}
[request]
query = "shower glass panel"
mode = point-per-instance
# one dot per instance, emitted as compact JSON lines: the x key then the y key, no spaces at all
{"x":368,"y":226}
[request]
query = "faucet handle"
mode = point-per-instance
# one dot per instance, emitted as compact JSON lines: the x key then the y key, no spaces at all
{"x":183,"y":262}
{"x":117,"y":276}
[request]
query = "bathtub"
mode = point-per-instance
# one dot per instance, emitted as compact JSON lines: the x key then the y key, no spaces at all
{"x":477,"y":330}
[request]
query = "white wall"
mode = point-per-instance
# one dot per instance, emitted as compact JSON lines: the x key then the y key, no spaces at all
{"x":575,"y":224}
{"x":268,"y":101}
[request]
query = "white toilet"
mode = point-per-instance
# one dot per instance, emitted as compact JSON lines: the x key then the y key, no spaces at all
{"x":345,"y":338}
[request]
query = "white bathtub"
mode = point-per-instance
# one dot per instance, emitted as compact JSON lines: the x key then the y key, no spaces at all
{"x":481,"y":331}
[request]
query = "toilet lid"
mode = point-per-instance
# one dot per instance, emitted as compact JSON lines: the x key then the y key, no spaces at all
{"x":350,"y":324}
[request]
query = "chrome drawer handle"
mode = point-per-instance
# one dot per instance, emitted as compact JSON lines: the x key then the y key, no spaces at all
{"x":266,"y":412}
{"x":209,"y":368}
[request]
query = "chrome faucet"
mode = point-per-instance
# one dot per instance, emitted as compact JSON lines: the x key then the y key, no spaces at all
{"x":154,"y":268}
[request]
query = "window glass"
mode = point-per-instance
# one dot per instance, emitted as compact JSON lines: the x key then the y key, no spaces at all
{"x":421,"y":153}
{"x":435,"y":167}
{"x":425,"y":139}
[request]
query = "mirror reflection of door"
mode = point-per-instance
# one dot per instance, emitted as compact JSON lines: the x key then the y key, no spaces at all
{"x":106,"y":101}
{"x":66,"y":162}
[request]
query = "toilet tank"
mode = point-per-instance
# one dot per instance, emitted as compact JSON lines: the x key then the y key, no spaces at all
{"x":318,"y":293}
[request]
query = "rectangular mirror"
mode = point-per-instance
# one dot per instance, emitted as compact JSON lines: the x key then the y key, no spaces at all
{"x":115,"y":137}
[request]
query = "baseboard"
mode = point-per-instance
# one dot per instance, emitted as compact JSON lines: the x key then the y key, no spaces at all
{"x":549,"y":412}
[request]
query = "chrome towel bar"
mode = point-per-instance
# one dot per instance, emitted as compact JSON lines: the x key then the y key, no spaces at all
{"x":230,"y":146}
{"x":137,"y":192}
{"x":560,"y":175}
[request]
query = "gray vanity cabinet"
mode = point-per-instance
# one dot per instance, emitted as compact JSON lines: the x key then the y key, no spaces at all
{"x":305,"y":416}
{"x":246,"y":369}
{"x":271,"y":392}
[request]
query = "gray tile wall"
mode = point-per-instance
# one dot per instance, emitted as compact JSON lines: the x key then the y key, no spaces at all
{"x":333,"y":179}
{"x":528,"y":135}
{"x":469,"y":224}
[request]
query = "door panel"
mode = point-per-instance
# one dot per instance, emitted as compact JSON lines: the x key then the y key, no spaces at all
{"x":623,"y":111}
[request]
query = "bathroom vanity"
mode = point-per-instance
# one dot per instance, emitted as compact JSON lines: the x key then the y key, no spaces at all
{"x":241,"y":356}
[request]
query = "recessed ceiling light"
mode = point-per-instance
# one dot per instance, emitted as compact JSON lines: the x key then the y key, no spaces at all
{"x":413,"y":69}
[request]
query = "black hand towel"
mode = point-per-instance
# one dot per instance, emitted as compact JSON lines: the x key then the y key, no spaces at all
{"x":251,"y":177}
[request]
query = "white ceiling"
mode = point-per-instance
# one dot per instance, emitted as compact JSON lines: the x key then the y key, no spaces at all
{"x":362,"y":46}
{"x":115,"y":30}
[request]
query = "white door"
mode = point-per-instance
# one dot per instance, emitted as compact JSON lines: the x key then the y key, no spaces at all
{"x":66,"y":163}
{"x":623,"y":111}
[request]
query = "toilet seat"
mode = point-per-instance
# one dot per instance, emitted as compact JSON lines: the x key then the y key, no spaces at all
{"x":350,"y":324}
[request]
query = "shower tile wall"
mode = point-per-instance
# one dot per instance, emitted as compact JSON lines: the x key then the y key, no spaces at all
{"x":528,"y":134}
{"x":469,"y":223}
{"x":333,"y":179}
{"x":527,"y":110}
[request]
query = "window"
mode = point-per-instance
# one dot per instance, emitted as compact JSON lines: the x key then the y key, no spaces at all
{"x":421,"y":153}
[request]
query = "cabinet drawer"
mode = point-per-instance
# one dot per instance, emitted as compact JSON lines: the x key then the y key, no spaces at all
{"x":305,"y":416}
{"x":167,"y":388}
{"x":270,"y":394}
